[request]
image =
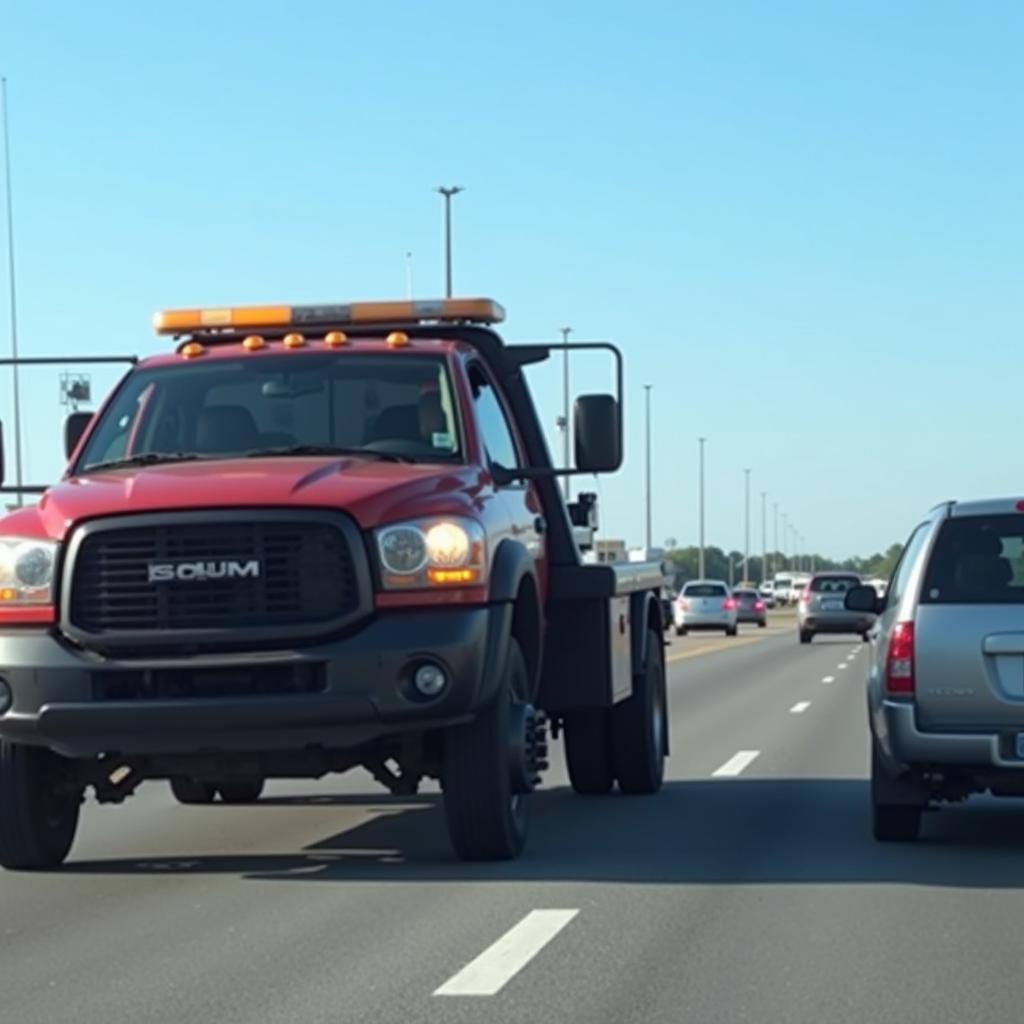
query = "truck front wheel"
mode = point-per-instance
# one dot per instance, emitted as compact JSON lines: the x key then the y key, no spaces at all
{"x":486,"y":817}
{"x":588,"y":750}
{"x":640,"y":726}
{"x":39,"y":808}
{"x":243,"y":791}
{"x":192,"y":791}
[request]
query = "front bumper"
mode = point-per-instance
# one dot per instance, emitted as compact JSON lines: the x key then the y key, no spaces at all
{"x":62,"y":696}
{"x":906,"y":745}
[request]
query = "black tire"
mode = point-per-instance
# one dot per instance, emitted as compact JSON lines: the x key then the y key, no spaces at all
{"x":38,"y":812}
{"x":762,"y":625}
{"x":680,"y":631}
{"x":639,"y":727}
{"x":895,"y":823}
{"x":243,"y":791}
{"x":486,"y":821}
{"x":805,"y":636}
{"x":732,"y":632}
{"x":588,"y":751}
{"x":896,"y":804}
{"x":192,"y":791}
{"x":865,"y":637}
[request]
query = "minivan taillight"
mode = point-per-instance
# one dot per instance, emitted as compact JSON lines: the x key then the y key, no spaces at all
{"x":899,"y":666}
{"x":730,"y":604}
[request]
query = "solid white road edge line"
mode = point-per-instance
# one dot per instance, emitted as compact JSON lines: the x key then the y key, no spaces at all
{"x":499,"y":963}
{"x":800,"y":707}
{"x":735,"y":765}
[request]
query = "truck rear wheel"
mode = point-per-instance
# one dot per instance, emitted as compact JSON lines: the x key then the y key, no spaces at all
{"x":588,"y":751}
{"x":39,"y":808}
{"x":639,"y":727}
{"x":242,"y":791}
{"x":192,"y":791}
{"x":487,"y":818}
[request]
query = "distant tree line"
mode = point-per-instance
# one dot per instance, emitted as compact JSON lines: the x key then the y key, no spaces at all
{"x":685,"y":563}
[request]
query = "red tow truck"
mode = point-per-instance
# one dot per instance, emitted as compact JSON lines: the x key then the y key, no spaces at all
{"x":312,"y":538}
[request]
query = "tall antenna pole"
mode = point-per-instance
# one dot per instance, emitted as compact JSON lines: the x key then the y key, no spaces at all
{"x":13,"y":290}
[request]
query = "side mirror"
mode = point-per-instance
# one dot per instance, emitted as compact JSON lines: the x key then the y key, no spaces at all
{"x":598,"y":430}
{"x":74,"y":427}
{"x":863,"y":599}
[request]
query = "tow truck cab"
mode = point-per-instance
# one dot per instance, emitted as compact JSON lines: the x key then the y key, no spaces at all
{"x":312,"y":538}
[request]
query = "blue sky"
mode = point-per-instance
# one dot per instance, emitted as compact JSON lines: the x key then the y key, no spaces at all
{"x":802,"y":221}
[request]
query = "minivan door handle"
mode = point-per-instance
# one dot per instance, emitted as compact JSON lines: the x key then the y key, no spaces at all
{"x":1004,"y":643}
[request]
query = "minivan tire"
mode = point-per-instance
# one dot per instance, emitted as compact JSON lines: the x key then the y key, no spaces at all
{"x":805,"y":636}
{"x":732,"y":632}
{"x":39,"y":810}
{"x":895,"y":823}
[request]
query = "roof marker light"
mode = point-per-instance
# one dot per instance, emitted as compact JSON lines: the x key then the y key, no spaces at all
{"x":294,"y":341}
{"x":253,"y":343}
{"x":330,"y":315}
{"x":398,"y":339}
{"x":192,"y":349}
{"x":335,"y":339}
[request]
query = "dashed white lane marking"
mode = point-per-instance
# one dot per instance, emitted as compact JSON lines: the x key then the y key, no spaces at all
{"x":499,"y":963}
{"x":735,"y":765}
{"x":829,"y":679}
{"x":800,"y":707}
{"x":841,"y":667}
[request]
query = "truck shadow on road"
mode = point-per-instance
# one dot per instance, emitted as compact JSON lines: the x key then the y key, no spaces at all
{"x":721,"y":832}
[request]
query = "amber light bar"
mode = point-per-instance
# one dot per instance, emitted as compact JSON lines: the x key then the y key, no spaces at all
{"x":184,"y":321}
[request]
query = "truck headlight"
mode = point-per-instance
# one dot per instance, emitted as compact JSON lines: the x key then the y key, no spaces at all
{"x":26,"y":571}
{"x":428,"y":553}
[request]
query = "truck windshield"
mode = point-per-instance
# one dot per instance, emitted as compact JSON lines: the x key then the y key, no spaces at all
{"x":382,"y":406}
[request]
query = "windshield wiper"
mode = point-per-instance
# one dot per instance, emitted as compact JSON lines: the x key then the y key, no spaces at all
{"x":326,"y":449}
{"x":147,"y":459}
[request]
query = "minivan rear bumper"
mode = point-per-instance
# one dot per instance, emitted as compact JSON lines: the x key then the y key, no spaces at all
{"x":901,"y":740}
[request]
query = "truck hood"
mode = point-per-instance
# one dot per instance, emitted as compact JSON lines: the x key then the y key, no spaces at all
{"x":371,"y":492}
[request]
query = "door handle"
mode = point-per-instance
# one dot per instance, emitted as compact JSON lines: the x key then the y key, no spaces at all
{"x":539,"y":524}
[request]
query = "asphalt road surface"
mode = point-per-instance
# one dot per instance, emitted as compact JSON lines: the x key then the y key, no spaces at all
{"x":748,"y":890}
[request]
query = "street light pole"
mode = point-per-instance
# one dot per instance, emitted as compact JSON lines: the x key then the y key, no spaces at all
{"x":764,"y":536}
{"x":746,"y":526}
{"x":447,"y":192}
{"x":775,"y":552}
{"x":13,"y":304}
{"x":785,"y":541}
{"x":566,"y":428}
{"x":700,"y":571}
{"x":647,"y":404}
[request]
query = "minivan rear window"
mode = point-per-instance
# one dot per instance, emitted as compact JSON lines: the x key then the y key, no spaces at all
{"x":704,"y":590}
{"x":977,"y":560}
{"x":834,"y":584}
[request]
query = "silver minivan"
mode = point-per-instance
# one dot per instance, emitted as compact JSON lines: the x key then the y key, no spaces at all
{"x":946,"y":674}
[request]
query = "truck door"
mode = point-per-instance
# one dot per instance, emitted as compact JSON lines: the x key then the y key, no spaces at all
{"x":526,"y":523}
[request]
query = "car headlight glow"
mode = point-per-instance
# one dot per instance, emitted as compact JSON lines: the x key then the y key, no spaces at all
{"x":26,"y":571}
{"x":430,"y":553}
